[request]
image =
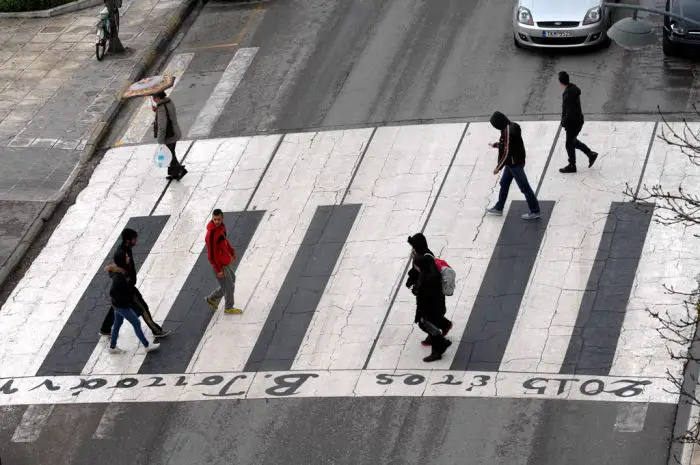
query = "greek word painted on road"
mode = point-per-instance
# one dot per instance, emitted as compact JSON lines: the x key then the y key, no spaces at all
{"x":334,"y":383}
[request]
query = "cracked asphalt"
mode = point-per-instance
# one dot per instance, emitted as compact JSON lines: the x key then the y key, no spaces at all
{"x":342,"y":63}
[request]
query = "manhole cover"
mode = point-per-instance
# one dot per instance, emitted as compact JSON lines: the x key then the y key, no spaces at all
{"x":53,"y":29}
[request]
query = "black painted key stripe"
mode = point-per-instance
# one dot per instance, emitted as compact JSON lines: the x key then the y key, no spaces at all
{"x":79,"y":336}
{"x":496,"y":307}
{"x":190,"y":315}
{"x":592,"y":346}
{"x":293,"y":309}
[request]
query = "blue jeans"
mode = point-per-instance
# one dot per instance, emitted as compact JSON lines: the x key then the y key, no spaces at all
{"x":516,"y":172}
{"x":121,"y":314}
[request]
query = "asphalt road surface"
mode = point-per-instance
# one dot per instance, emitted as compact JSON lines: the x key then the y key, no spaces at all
{"x":341,"y":63}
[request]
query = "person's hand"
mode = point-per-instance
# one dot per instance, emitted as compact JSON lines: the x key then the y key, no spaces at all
{"x":494,"y":145}
{"x":220,"y":275}
{"x":495,"y":171}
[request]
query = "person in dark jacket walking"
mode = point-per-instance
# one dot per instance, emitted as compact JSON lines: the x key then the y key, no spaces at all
{"x":511,"y":159}
{"x":122,"y":295}
{"x":221,"y":255}
{"x":419,"y":245}
{"x":572,"y":122}
{"x":430,"y":304}
{"x":167,"y":131}
{"x":129,"y":239}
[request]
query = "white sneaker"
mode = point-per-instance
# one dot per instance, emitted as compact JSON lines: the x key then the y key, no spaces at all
{"x":116,"y":350}
{"x":152,"y":347}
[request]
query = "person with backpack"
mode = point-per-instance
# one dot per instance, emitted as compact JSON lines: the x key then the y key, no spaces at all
{"x":430,"y":305}
{"x":419,"y":246}
{"x":511,"y":160}
{"x":122,"y":295}
{"x":167,"y":131}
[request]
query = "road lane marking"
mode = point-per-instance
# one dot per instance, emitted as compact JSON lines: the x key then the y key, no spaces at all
{"x":232,"y":77}
{"x":111,"y":415}
{"x":33,"y":421}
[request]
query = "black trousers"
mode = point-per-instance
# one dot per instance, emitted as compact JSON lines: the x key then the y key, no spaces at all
{"x":442,"y":323}
{"x":572,"y":143}
{"x":141,"y":309}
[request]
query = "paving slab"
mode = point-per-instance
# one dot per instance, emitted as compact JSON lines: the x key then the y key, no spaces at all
{"x":57,"y":100}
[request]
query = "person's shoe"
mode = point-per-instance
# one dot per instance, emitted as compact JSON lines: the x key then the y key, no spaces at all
{"x":449,"y":328}
{"x":233,"y":311}
{"x":531,"y":216}
{"x":426,"y":342}
{"x":153,"y":346}
{"x":116,"y":350}
{"x":568,"y":169}
{"x":494,"y":211}
{"x":105,"y":334}
{"x":214,"y":305}
{"x":592,"y":158}
{"x":432,"y":358}
{"x":164,"y":333}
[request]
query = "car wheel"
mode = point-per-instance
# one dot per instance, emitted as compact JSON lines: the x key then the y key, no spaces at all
{"x":670,"y":49}
{"x":516,"y":43}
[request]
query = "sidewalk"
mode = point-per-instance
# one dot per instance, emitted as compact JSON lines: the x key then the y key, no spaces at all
{"x":56,"y":100}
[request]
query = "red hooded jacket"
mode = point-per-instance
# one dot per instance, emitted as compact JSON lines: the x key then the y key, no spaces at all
{"x":219,"y":249}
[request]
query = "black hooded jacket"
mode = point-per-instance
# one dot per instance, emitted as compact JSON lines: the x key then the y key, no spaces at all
{"x":430,"y":300}
{"x":122,"y":290}
{"x":511,"y":148}
{"x":571,"y":113}
{"x":420,"y":247}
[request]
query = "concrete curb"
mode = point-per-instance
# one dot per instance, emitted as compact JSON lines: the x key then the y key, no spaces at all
{"x":99,"y":131}
{"x":55,"y":11}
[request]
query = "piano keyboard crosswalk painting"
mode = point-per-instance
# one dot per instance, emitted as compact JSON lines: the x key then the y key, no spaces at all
{"x":553,"y":309}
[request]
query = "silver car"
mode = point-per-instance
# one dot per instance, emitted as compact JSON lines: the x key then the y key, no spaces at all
{"x":560,"y":23}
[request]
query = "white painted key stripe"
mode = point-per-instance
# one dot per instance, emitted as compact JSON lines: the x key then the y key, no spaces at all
{"x":142,"y":120}
{"x":232,"y":77}
{"x":33,"y":421}
{"x":333,"y":383}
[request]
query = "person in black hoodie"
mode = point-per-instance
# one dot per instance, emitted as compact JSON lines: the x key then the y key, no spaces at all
{"x":572,"y":122}
{"x":511,"y":159}
{"x":420,"y":247}
{"x":430,"y":304}
{"x":122,"y":296}
{"x":129,"y":239}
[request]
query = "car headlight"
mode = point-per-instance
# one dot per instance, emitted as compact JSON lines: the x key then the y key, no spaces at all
{"x":678,"y":29}
{"x":524,"y":16}
{"x":593,"y":15}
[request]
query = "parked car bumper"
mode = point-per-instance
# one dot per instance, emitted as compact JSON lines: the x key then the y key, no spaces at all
{"x":692,"y":38}
{"x":553,"y":37}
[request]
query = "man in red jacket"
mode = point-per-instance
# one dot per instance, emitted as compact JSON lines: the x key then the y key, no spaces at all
{"x":221,"y":256}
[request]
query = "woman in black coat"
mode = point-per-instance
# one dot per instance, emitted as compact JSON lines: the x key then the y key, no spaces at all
{"x":430,"y":305}
{"x":419,"y":244}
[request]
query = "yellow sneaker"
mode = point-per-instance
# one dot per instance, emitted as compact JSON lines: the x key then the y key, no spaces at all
{"x":214,"y":305}
{"x":233,"y":311}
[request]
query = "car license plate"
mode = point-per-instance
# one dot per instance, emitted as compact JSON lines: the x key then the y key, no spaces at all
{"x":557,"y":34}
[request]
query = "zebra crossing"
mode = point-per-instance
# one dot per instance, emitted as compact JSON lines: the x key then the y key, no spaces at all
{"x":554,"y":309}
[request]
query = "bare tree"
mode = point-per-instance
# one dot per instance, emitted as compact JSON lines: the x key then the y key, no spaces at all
{"x":680,"y":329}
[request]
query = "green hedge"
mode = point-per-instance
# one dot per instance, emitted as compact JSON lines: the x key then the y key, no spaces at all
{"x":30,"y":5}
